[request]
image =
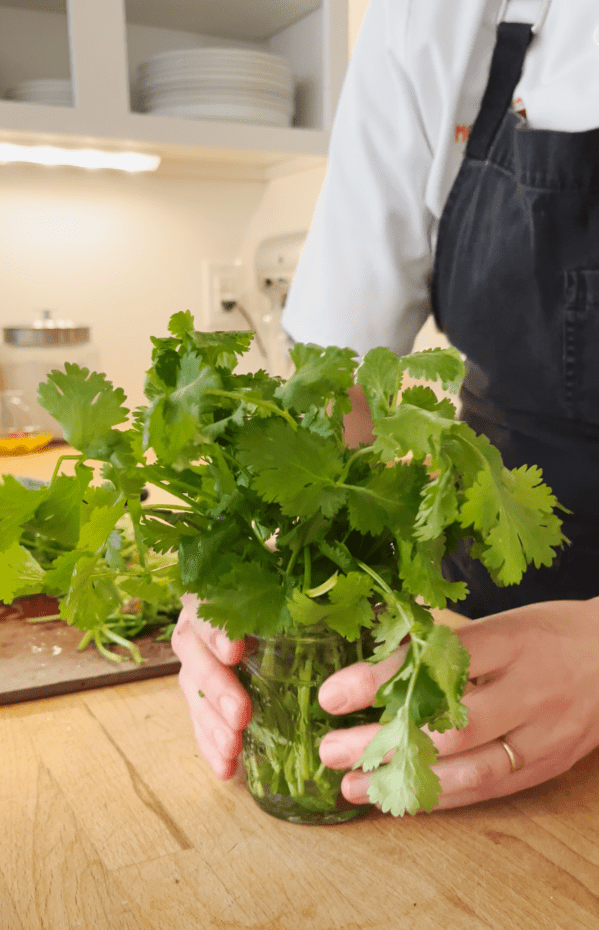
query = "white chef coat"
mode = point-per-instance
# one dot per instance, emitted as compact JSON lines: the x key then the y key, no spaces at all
{"x":414,"y":84}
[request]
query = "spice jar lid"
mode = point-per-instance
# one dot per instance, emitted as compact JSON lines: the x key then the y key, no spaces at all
{"x":47,"y":332}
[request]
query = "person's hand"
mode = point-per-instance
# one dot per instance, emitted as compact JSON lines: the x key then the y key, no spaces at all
{"x":536,"y":684}
{"x":218,"y":705}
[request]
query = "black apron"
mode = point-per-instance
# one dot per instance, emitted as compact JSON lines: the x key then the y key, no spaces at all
{"x":516,"y":289}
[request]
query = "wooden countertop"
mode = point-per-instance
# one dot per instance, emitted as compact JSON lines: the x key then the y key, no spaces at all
{"x":112,"y":821}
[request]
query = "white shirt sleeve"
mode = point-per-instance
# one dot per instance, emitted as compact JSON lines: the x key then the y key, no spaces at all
{"x":362,"y":280}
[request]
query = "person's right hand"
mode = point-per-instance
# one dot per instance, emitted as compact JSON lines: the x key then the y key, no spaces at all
{"x":218,"y":705}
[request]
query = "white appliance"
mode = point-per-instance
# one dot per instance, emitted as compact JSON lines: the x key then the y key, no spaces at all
{"x":276,"y":261}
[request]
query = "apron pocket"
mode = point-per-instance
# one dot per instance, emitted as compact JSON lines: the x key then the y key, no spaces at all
{"x":581,"y":345}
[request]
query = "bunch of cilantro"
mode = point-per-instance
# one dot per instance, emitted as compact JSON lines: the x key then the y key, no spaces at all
{"x":360,"y":534}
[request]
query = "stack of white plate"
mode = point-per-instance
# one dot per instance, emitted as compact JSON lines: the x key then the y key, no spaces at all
{"x":49,"y":91}
{"x":218,"y":84}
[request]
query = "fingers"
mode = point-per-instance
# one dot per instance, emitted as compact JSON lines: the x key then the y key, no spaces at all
{"x":483,"y":773}
{"x":535,"y":689}
{"x":492,"y":647}
{"x":511,"y":708}
{"x":493,"y":643}
{"x":228,"y":651}
{"x":341,"y":749}
{"x":218,"y":705}
{"x":355,"y":687}
{"x":214,"y":684}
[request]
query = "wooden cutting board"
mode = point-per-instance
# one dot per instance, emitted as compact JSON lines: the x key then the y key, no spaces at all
{"x":38,"y":660}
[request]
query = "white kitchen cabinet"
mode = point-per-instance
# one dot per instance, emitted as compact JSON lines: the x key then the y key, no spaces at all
{"x":100,"y":45}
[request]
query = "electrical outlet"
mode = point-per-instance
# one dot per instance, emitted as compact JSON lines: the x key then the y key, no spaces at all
{"x":221,"y":285}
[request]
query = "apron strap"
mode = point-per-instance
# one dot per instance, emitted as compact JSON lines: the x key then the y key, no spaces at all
{"x":512,"y":44}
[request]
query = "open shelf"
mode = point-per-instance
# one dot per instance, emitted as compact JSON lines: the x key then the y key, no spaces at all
{"x":102,"y":44}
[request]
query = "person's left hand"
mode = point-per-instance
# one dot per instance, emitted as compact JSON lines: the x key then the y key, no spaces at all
{"x":536,"y":676}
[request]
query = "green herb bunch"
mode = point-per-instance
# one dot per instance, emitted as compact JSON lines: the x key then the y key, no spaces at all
{"x":280,"y":526}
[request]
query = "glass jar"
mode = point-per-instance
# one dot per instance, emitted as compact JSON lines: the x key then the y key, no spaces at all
{"x":280,"y":750}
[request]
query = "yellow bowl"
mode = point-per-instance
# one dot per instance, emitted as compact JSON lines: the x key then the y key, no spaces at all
{"x":22,"y":445}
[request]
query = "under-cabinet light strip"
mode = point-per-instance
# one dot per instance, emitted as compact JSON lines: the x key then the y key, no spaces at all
{"x":77,"y":158}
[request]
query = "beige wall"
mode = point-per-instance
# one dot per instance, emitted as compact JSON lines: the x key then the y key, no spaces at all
{"x":115,"y":252}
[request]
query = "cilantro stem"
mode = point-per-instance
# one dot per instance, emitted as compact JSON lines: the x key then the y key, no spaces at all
{"x":255,"y":402}
{"x":292,"y":561}
{"x":258,"y":537}
{"x":417,"y":663}
{"x":158,"y":509}
{"x":66,"y":458}
{"x":376,"y":577}
{"x":45,"y":619}
{"x":182,"y":497}
{"x":102,"y":648}
{"x":127,"y":644}
{"x":85,"y":640}
{"x":365,"y":450}
{"x":307,"y":568}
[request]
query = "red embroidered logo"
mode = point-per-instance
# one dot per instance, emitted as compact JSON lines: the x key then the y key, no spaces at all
{"x":462,"y":133}
{"x":518,"y":107}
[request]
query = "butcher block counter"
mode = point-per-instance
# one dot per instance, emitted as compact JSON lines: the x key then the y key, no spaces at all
{"x":111,"y":820}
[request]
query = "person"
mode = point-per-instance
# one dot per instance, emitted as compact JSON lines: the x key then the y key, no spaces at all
{"x":463,"y":180}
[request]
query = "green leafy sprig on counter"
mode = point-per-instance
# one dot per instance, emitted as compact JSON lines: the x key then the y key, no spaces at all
{"x":279,"y":525}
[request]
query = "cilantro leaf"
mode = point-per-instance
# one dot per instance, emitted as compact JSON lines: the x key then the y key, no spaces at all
{"x":17,"y":506}
{"x":249,"y":600}
{"x":516,"y":519}
{"x":83,"y":604}
{"x":21,"y":573}
{"x":346,"y":613}
{"x":420,"y":570}
{"x":447,"y":662}
{"x":100,"y":523}
{"x":221,"y":349}
{"x":57,"y":579}
{"x":199,"y":554}
{"x":319,"y":375}
{"x":444,"y":365}
{"x":389,"y":499}
{"x":406,"y":784}
{"x":380,"y":375}
{"x":415,"y":429}
{"x":87,"y":406}
{"x":174,"y":421}
{"x":295,"y":468}
{"x":439,"y":505}
{"x":181,"y":324}
{"x":58,"y":515}
{"x":394,"y":624}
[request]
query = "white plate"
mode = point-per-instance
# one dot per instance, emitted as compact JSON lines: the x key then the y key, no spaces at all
{"x":52,"y":91}
{"x":217,"y":74}
{"x":219,"y":54}
{"x":233,"y":107}
{"x":236,"y":114}
{"x":225,"y":62}
{"x":227,"y":94}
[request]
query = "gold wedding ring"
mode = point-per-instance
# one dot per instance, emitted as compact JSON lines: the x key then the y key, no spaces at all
{"x":515,"y":763}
